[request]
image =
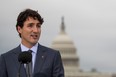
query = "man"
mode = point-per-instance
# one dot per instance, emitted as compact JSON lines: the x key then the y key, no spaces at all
{"x":46,"y":61}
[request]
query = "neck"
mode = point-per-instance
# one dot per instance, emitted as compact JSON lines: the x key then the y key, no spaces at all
{"x":29,"y":45}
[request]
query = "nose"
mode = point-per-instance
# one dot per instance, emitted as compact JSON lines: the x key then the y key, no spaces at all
{"x":35,"y":29}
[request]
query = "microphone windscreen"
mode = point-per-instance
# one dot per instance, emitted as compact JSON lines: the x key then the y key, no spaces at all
{"x":25,"y":57}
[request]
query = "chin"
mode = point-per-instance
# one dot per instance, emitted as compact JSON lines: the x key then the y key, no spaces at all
{"x":33,"y":43}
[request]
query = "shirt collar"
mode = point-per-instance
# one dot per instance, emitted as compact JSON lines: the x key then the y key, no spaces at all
{"x":34,"y":48}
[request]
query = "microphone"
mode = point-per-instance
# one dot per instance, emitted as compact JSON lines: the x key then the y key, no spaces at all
{"x":24,"y":58}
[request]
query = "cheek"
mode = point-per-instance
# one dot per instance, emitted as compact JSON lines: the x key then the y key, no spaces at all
{"x":25,"y":33}
{"x":40,"y":30}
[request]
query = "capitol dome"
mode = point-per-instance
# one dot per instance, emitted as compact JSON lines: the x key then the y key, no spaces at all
{"x":62,"y":40}
{"x":65,"y":45}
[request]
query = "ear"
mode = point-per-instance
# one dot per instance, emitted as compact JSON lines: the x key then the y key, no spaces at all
{"x":19,"y":29}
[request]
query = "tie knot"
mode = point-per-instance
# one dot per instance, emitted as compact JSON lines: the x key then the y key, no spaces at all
{"x":30,"y":51}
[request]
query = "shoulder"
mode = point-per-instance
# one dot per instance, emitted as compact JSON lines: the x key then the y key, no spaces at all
{"x":48,"y":49}
{"x":10,"y":52}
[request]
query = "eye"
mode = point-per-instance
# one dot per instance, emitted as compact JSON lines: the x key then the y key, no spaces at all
{"x":30,"y":25}
{"x":38,"y":25}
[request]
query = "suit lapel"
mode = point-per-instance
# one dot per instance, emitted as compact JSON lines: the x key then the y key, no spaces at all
{"x":40,"y":58}
{"x":16,"y":52}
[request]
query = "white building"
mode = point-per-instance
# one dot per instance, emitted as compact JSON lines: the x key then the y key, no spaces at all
{"x":70,"y":59}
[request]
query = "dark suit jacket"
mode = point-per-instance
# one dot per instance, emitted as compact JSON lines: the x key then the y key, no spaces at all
{"x":48,"y":63}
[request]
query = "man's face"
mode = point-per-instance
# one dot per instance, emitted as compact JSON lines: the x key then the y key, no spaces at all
{"x":30,"y":32}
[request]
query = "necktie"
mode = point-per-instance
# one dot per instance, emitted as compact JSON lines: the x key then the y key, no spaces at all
{"x":29,"y":67}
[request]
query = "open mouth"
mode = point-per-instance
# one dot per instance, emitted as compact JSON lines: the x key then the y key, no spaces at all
{"x":34,"y":36}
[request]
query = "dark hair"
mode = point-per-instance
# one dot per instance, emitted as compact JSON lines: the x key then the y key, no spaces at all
{"x":25,"y":14}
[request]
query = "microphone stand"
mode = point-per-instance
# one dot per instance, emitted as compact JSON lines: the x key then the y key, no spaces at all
{"x":28,"y":70}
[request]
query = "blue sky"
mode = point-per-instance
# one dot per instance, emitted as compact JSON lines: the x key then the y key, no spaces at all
{"x":90,"y":23}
